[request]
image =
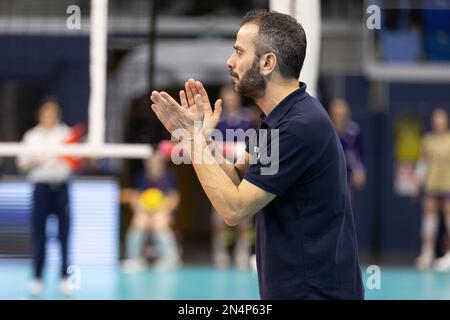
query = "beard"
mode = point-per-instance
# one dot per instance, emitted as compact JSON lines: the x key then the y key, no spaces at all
{"x":252,"y":82}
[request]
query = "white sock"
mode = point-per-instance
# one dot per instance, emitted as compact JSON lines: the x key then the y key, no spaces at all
{"x":135,"y":240}
{"x":428,"y":230}
{"x":167,"y":244}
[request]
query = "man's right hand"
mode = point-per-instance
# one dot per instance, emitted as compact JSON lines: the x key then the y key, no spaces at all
{"x":187,"y":98}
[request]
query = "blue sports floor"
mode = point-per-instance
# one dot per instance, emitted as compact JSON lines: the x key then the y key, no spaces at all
{"x":202,"y":282}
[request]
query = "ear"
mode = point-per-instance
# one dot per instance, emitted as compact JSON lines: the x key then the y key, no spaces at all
{"x":268,"y":63}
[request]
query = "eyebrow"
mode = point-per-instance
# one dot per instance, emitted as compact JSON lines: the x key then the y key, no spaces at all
{"x":236,"y":47}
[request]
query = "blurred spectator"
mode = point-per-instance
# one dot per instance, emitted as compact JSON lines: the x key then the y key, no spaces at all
{"x":225,"y":238}
{"x":50,"y":176}
{"x":433,"y":174}
{"x":144,"y":128}
{"x":154,"y":200}
{"x":350,"y":136}
{"x":234,"y":116}
{"x":140,"y":127}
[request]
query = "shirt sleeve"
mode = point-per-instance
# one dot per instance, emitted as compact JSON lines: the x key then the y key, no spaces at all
{"x":287,"y":158}
{"x":359,"y":149}
{"x":22,"y":158}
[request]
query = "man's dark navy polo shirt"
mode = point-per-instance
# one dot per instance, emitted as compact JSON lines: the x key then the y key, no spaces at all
{"x":306,"y":241}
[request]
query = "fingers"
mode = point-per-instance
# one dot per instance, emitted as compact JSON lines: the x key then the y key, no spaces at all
{"x":162,"y":114}
{"x":201,"y":90}
{"x":193,"y":87}
{"x":157,"y":105}
{"x":218,"y":108}
{"x":170,"y":113}
{"x":189,"y":93}
{"x":170,"y":100}
{"x":164,"y":110}
{"x":157,"y":110}
{"x":199,"y":104}
{"x":183,"y":100}
{"x":158,"y":101}
{"x":155,"y":97}
{"x":162,"y":117}
{"x":165,"y":100}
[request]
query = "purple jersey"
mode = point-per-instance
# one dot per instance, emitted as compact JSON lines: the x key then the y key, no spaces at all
{"x":244,"y":122}
{"x":352,"y":145}
{"x":166,"y":183}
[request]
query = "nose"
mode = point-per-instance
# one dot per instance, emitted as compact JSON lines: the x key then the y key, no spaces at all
{"x":230,"y":62}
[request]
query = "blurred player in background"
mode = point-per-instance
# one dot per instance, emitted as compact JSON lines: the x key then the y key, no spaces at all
{"x":153,"y":202}
{"x":350,"y":135}
{"x":225,"y":238}
{"x":433,"y":175}
{"x":50,"y":176}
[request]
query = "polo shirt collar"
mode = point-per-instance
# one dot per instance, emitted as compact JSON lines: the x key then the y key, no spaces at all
{"x":280,"y":110}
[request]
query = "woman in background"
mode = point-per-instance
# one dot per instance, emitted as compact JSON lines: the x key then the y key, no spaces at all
{"x":433,"y":175}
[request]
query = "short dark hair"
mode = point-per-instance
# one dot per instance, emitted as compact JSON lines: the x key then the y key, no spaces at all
{"x":49,"y":99}
{"x":282,"y":35}
{"x":45,"y":101}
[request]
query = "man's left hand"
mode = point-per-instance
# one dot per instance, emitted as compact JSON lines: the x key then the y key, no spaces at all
{"x":174,"y":117}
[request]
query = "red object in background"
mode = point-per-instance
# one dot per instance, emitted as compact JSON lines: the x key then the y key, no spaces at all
{"x":165,"y":148}
{"x":75,"y":136}
{"x":228,"y":150}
